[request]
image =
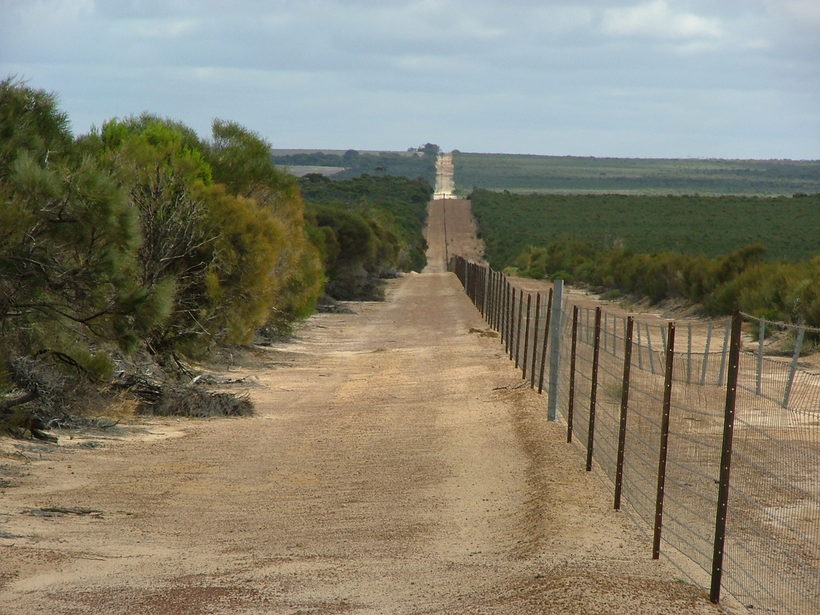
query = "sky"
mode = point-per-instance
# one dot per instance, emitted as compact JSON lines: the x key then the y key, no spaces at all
{"x":631,"y":78}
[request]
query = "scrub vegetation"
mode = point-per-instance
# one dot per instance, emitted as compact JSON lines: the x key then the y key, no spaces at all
{"x":416,"y":163}
{"x":366,"y":228}
{"x":759,"y":255}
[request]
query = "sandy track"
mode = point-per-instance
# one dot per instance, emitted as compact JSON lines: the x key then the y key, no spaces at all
{"x":445,"y":184}
{"x":394,"y":466}
{"x":450,"y":230}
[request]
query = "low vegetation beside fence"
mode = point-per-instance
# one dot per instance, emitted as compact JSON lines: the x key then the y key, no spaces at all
{"x":703,"y":250}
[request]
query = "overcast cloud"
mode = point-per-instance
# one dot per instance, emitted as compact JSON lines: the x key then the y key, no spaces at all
{"x":654,"y":78}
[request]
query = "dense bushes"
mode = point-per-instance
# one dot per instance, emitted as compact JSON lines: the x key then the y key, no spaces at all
{"x":138,"y":235}
{"x":739,"y":280}
{"x":366,"y":227}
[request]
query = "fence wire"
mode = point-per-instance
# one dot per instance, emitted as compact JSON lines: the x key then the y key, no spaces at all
{"x":770,"y":553}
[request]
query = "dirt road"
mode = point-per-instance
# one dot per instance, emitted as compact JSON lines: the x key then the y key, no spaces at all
{"x":394,"y":466}
{"x":445,"y":184}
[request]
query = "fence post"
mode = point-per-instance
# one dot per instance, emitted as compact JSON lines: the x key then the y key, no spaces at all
{"x":518,"y":326}
{"x":649,"y":346}
{"x":546,"y":339}
{"x":485,"y":293}
{"x":535,"y":338}
{"x":526,"y":338}
{"x":723,"y":353}
{"x":726,"y":459}
{"x":640,"y":347}
{"x":619,"y":470}
{"x":495,"y":295}
{"x":507,"y":293}
{"x":573,"y":347}
{"x":512,"y":322}
{"x":706,"y":354}
{"x":555,"y":349}
{"x":593,"y":392}
{"x":798,"y":345}
{"x":689,"y":355}
{"x":760,"y":344}
{"x":667,"y":405}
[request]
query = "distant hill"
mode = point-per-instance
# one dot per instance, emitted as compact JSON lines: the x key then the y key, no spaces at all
{"x":573,"y":174}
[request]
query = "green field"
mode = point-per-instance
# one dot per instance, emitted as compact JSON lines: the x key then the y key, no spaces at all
{"x":571,"y":174}
{"x":704,"y":225}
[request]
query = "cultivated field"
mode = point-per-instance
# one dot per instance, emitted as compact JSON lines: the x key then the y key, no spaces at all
{"x":788,"y":227}
{"x":572,"y":174}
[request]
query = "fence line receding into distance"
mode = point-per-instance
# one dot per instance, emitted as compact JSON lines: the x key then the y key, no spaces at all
{"x":709,"y":432}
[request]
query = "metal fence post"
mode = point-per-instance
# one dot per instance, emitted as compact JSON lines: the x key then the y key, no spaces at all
{"x":526,"y":338}
{"x":726,"y":459}
{"x":640,"y":346}
{"x":507,"y":293}
{"x":535,"y":338}
{"x":518,"y":326}
{"x":619,"y":470}
{"x":495,"y":294}
{"x":667,"y":405}
{"x":649,"y":345}
{"x":573,"y":347}
{"x":724,"y":351}
{"x":485,"y":293}
{"x":689,"y":355}
{"x":706,"y":354}
{"x":798,"y":346}
{"x":555,"y":349}
{"x":760,"y":345}
{"x":546,"y":340}
{"x":593,"y":391}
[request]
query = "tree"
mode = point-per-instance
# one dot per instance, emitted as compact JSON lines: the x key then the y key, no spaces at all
{"x":68,"y":245}
{"x":242,"y":161}
{"x":30,"y":122}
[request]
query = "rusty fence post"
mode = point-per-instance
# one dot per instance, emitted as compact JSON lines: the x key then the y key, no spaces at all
{"x":761,"y":345}
{"x":506,"y":315}
{"x":492,"y":299}
{"x":593,"y":391}
{"x":511,"y":349}
{"x":667,"y":405}
{"x":526,"y":338}
{"x":546,"y":341}
{"x":535,"y":339}
{"x":726,"y":459}
{"x":619,"y":469}
{"x":518,"y":326}
{"x":573,"y":348}
{"x":499,"y":294}
{"x":488,"y":278}
{"x":473,"y":283}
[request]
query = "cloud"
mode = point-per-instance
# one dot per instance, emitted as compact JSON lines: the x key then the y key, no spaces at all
{"x":658,"y":20}
{"x":806,"y":12}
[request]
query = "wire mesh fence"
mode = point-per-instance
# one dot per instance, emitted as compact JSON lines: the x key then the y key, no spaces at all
{"x":709,"y":432}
